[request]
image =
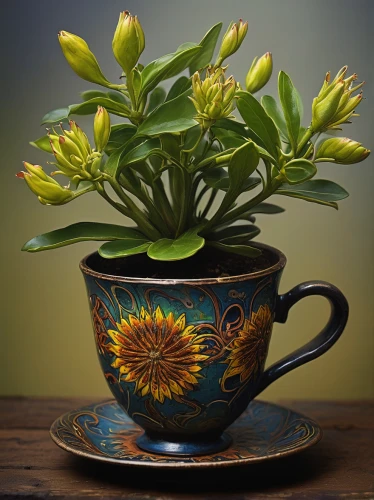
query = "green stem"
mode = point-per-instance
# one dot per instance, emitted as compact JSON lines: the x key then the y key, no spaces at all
{"x":185,"y":202}
{"x":165,"y":206}
{"x":306,"y":137}
{"x":136,"y":214}
{"x":218,"y":159}
{"x":189,"y":151}
{"x":209,"y":203}
{"x":143,"y":196}
{"x":234,"y":214}
{"x":101,"y":190}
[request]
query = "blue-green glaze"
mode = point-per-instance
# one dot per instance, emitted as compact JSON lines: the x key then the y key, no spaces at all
{"x":189,"y":356}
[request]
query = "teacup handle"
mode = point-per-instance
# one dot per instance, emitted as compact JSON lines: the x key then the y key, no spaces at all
{"x":322,"y":342}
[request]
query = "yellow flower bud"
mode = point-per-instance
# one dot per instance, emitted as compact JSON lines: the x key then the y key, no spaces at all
{"x":48,"y":191}
{"x":232,"y":40}
{"x":81,"y":59}
{"x":259,"y":73}
{"x":128,"y":42}
{"x":101,"y":128}
{"x":342,"y":150}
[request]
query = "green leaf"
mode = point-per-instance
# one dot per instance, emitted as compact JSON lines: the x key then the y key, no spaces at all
{"x":242,"y":164}
{"x":208,"y":44}
{"x":171,"y":117}
{"x":228,"y":138}
{"x":124,"y":248}
{"x":218,"y":178}
{"x":290,"y":103}
{"x":156,"y":98}
{"x":167,"y":66}
{"x":87,"y":95}
{"x":119,"y":135}
{"x":56,"y":116}
{"x":271,"y":107}
{"x":299,"y":170}
{"x":127,"y":155}
{"x":90,"y":107}
{"x":142,"y":151}
{"x":233,"y":235}
{"x":258,"y":121}
{"x":319,"y":191}
{"x":179,"y":86}
{"x":245,"y":250}
{"x":43,"y":144}
{"x":81,"y":231}
{"x":233,"y":125}
{"x":265,"y":208}
{"x":185,"y":246}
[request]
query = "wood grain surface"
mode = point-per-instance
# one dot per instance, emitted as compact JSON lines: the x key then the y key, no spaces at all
{"x":339,"y":466}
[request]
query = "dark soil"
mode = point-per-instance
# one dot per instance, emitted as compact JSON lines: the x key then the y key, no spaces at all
{"x":207,"y":263}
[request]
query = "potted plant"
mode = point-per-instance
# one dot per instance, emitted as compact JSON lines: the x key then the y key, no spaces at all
{"x":183,"y":302}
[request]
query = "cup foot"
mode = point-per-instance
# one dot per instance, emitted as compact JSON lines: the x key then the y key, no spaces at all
{"x":184,"y":448}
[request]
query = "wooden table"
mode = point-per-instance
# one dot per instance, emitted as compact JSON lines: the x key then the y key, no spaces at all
{"x":339,"y":466}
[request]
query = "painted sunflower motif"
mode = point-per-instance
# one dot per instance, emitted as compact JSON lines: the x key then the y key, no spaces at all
{"x":249,"y":349}
{"x":160,"y":354}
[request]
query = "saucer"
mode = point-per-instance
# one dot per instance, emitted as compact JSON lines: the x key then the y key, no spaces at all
{"x":264,"y":431}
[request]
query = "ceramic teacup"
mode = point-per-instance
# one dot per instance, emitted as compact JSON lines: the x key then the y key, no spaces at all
{"x":184,"y":358}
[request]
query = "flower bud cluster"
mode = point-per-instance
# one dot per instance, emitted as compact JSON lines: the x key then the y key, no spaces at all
{"x":73,"y":153}
{"x":335,"y":103}
{"x":48,"y":191}
{"x":213,"y":97}
{"x":342,"y":150}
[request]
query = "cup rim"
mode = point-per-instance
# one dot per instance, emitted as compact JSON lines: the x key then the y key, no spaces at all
{"x":193,"y":281}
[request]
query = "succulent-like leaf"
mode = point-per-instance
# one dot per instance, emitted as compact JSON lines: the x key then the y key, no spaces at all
{"x":319,"y":191}
{"x":258,"y":121}
{"x":128,"y":155}
{"x":179,"y":86}
{"x":218,"y":178}
{"x":167,"y":66}
{"x":43,"y":143}
{"x":289,"y":99}
{"x":208,"y":45}
{"x":245,"y":250}
{"x":185,"y":246}
{"x":271,"y":107}
{"x":156,"y":98}
{"x":299,"y":170}
{"x":124,"y":248}
{"x":81,"y":231}
{"x":173,"y":116}
{"x":234,"y":235}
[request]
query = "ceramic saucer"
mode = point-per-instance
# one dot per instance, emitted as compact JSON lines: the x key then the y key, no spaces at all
{"x":264,"y":431}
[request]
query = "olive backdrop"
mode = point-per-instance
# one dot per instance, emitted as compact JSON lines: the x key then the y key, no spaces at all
{"x":47,"y":344}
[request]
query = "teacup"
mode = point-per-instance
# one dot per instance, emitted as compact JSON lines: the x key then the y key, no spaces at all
{"x":185,"y":357}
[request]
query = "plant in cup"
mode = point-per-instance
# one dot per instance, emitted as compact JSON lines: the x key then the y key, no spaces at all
{"x":190,"y":168}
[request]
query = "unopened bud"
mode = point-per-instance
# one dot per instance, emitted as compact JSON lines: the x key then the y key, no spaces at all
{"x":259,"y":73}
{"x":324,"y":110}
{"x":232,"y":40}
{"x":342,"y":150}
{"x":128,"y":42}
{"x":81,"y":59}
{"x":48,"y":191}
{"x":101,"y":128}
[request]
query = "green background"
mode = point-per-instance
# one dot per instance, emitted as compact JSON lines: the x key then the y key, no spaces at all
{"x":47,"y":344}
